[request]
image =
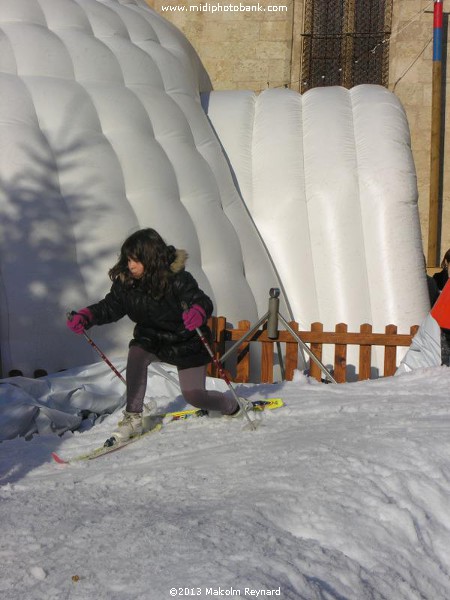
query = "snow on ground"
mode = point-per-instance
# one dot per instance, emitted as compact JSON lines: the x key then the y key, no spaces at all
{"x":342,"y":494}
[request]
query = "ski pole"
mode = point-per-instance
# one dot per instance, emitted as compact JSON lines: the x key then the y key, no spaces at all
{"x":220,"y":370}
{"x":99,"y":352}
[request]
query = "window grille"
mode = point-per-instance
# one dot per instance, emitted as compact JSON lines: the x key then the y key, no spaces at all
{"x":345,"y":42}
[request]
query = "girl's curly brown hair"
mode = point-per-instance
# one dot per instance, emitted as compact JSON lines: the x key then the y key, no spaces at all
{"x":147,"y":247}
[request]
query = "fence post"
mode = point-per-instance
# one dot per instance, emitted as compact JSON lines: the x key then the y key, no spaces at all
{"x":390,"y":354}
{"x":340,"y":356}
{"x":413,"y":330}
{"x":243,"y":357}
{"x":291,"y":361}
{"x":314,"y":370}
{"x":267,"y":362}
{"x":365,"y":355}
{"x":219,"y":335}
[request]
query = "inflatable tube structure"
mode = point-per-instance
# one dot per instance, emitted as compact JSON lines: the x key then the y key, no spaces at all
{"x":103,"y":131}
{"x":330,"y":182}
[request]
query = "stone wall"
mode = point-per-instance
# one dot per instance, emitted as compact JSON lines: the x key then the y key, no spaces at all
{"x":411,"y":67}
{"x":243,"y":44}
{"x":243,"y":49}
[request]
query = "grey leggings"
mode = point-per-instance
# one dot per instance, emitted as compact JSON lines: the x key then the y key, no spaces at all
{"x":192,"y":384}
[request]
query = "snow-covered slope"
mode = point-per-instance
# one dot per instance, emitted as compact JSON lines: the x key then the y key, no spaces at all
{"x":341,"y":494}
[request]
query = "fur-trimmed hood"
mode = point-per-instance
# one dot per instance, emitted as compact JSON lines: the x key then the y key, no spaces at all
{"x":179,"y":263}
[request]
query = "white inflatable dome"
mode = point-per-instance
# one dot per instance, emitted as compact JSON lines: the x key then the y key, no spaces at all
{"x":103,"y":132}
{"x":330,"y":182}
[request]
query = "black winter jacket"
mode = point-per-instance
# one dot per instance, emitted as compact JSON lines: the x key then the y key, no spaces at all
{"x":159,"y":324}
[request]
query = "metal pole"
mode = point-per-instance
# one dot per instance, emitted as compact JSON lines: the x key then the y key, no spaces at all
{"x":105,"y":358}
{"x":435,"y":150}
{"x":99,"y":352}
{"x":221,"y":370}
{"x":272,"y":317}
{"x":272,"y":321}
{"x":224,"y":376}
{"x":244,"y":338}
{"x":313,"y":357}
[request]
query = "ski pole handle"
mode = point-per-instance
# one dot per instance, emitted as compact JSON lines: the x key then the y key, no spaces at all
{"x":99,"y":352}
{"x":204,"y":341}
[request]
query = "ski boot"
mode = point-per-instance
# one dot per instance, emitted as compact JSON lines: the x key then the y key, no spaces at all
{"x":244,"y":406}
{"x":130,"y":426}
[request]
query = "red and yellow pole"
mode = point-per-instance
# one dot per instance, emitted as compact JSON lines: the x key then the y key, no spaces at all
{"x":435,"y":151}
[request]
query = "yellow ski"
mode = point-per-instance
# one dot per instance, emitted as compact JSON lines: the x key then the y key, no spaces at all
{"x":156,"y":422}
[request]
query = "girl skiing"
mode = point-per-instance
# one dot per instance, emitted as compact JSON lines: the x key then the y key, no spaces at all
{"x":150,"y":285}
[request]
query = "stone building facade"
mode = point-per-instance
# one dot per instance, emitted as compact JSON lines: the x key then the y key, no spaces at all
{"x":256,"y":44}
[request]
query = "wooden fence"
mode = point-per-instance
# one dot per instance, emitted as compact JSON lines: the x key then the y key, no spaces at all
{"x":316,"y":338}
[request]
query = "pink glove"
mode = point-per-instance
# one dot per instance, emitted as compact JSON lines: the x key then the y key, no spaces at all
{"x":79,"y":320}
{"x":194,"y":317}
